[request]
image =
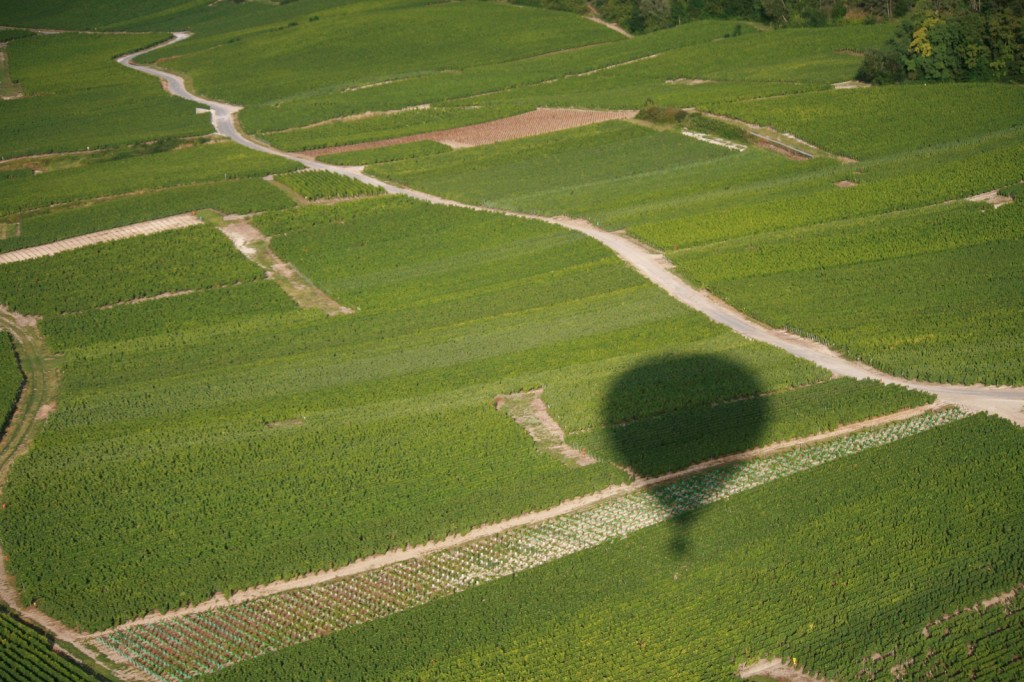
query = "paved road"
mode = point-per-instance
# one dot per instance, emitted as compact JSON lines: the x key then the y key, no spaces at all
{"x":1007,"y":402}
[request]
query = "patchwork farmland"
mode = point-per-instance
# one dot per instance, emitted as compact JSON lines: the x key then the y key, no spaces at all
{"x":400,"y":340}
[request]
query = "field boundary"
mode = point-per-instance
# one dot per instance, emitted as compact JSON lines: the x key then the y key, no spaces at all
{"x":185,"y":645}
{"x":255,"y":246}
{"x":540,"y":121}
{"x":175,"y":222}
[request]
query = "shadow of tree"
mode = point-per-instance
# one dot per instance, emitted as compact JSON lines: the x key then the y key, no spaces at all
{"x":669,"y":413}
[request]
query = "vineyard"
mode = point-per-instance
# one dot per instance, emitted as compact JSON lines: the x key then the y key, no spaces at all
{"x":241,"y":196}
{"x":454,"y":306}
{"x":104,"y":177}
{"x":825,"y":231}
{"x":315,"y":185}
{"x":11,"y":380}
{"x":871,"y":555}
{"x":206,"y":642}
{"x":27,"y":656}
{"x":198,"y":434}
{"x":137,"y":268}
{"x":75,"y":97}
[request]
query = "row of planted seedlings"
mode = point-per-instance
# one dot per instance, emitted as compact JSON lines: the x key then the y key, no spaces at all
{"x":196,"y":644}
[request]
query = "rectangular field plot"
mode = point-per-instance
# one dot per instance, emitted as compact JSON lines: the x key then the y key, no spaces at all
{"x":828,"y":567}
{"x":176,"y":480}
{"x":315,"y":185}
{"x":116,"y":272}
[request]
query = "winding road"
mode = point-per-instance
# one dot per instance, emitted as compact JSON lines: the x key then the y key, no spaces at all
{"x":1007,"y":402}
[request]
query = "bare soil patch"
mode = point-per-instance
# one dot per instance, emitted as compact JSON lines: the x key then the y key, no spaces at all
{"x":537,"y":122}
{"x":787,"y":144}
{"x":45,"y":410}
{"x":531,"y":123}
{"x":144,"y":299}
{"x":850,"y":85}
{"x":777,"y":669}
{"x":594,"y":16}
{"x":529,"y":411}
{"x":609,"y":67}
{"x":845,"y":183}
{"x":358,"y":117}
{"x":255,"y":246}
{"x":687,"y":81}
{"x":993,"y":198}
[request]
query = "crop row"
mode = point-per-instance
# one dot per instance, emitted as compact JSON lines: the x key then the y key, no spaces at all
{"x":11,"y":380}
{"x":202,"y":643}
{"x":26,"y":656}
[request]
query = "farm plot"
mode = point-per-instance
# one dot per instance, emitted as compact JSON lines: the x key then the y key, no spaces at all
{"x":870,"y":123}
{"x":242,"y":196}
{"x":164,"y":430}
{"x":134,"y":268}
{"x":319,"y":185}
{"x":206,"y":642}
{"x":134,"y":171}
{"x":76,"y":97}
{"x":27,"y":656}
{"x":827,"y":566}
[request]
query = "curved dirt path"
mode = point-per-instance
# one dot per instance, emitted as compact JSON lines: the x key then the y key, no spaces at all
{"x":1007,"y":402}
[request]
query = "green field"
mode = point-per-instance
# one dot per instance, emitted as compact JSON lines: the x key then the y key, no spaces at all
{"x":11,"y":380}
{"x":76,"y":97}
{"x":26,"y":656}
{"x":207,"y":435}
{"x":827,"y":567}
{"x":314,"y":185}
{"x":455,"y":308}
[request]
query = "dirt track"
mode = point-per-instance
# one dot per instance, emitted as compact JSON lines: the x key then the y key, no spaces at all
{"x":175,"y":222}
{"x":255,"y":246}
{"x":1007,"y":402}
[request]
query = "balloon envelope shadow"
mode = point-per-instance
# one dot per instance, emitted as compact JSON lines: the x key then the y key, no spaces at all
{"x":671,"y":412}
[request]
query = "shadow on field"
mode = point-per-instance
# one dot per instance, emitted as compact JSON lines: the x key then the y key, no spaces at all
{"x":672,"y":412}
